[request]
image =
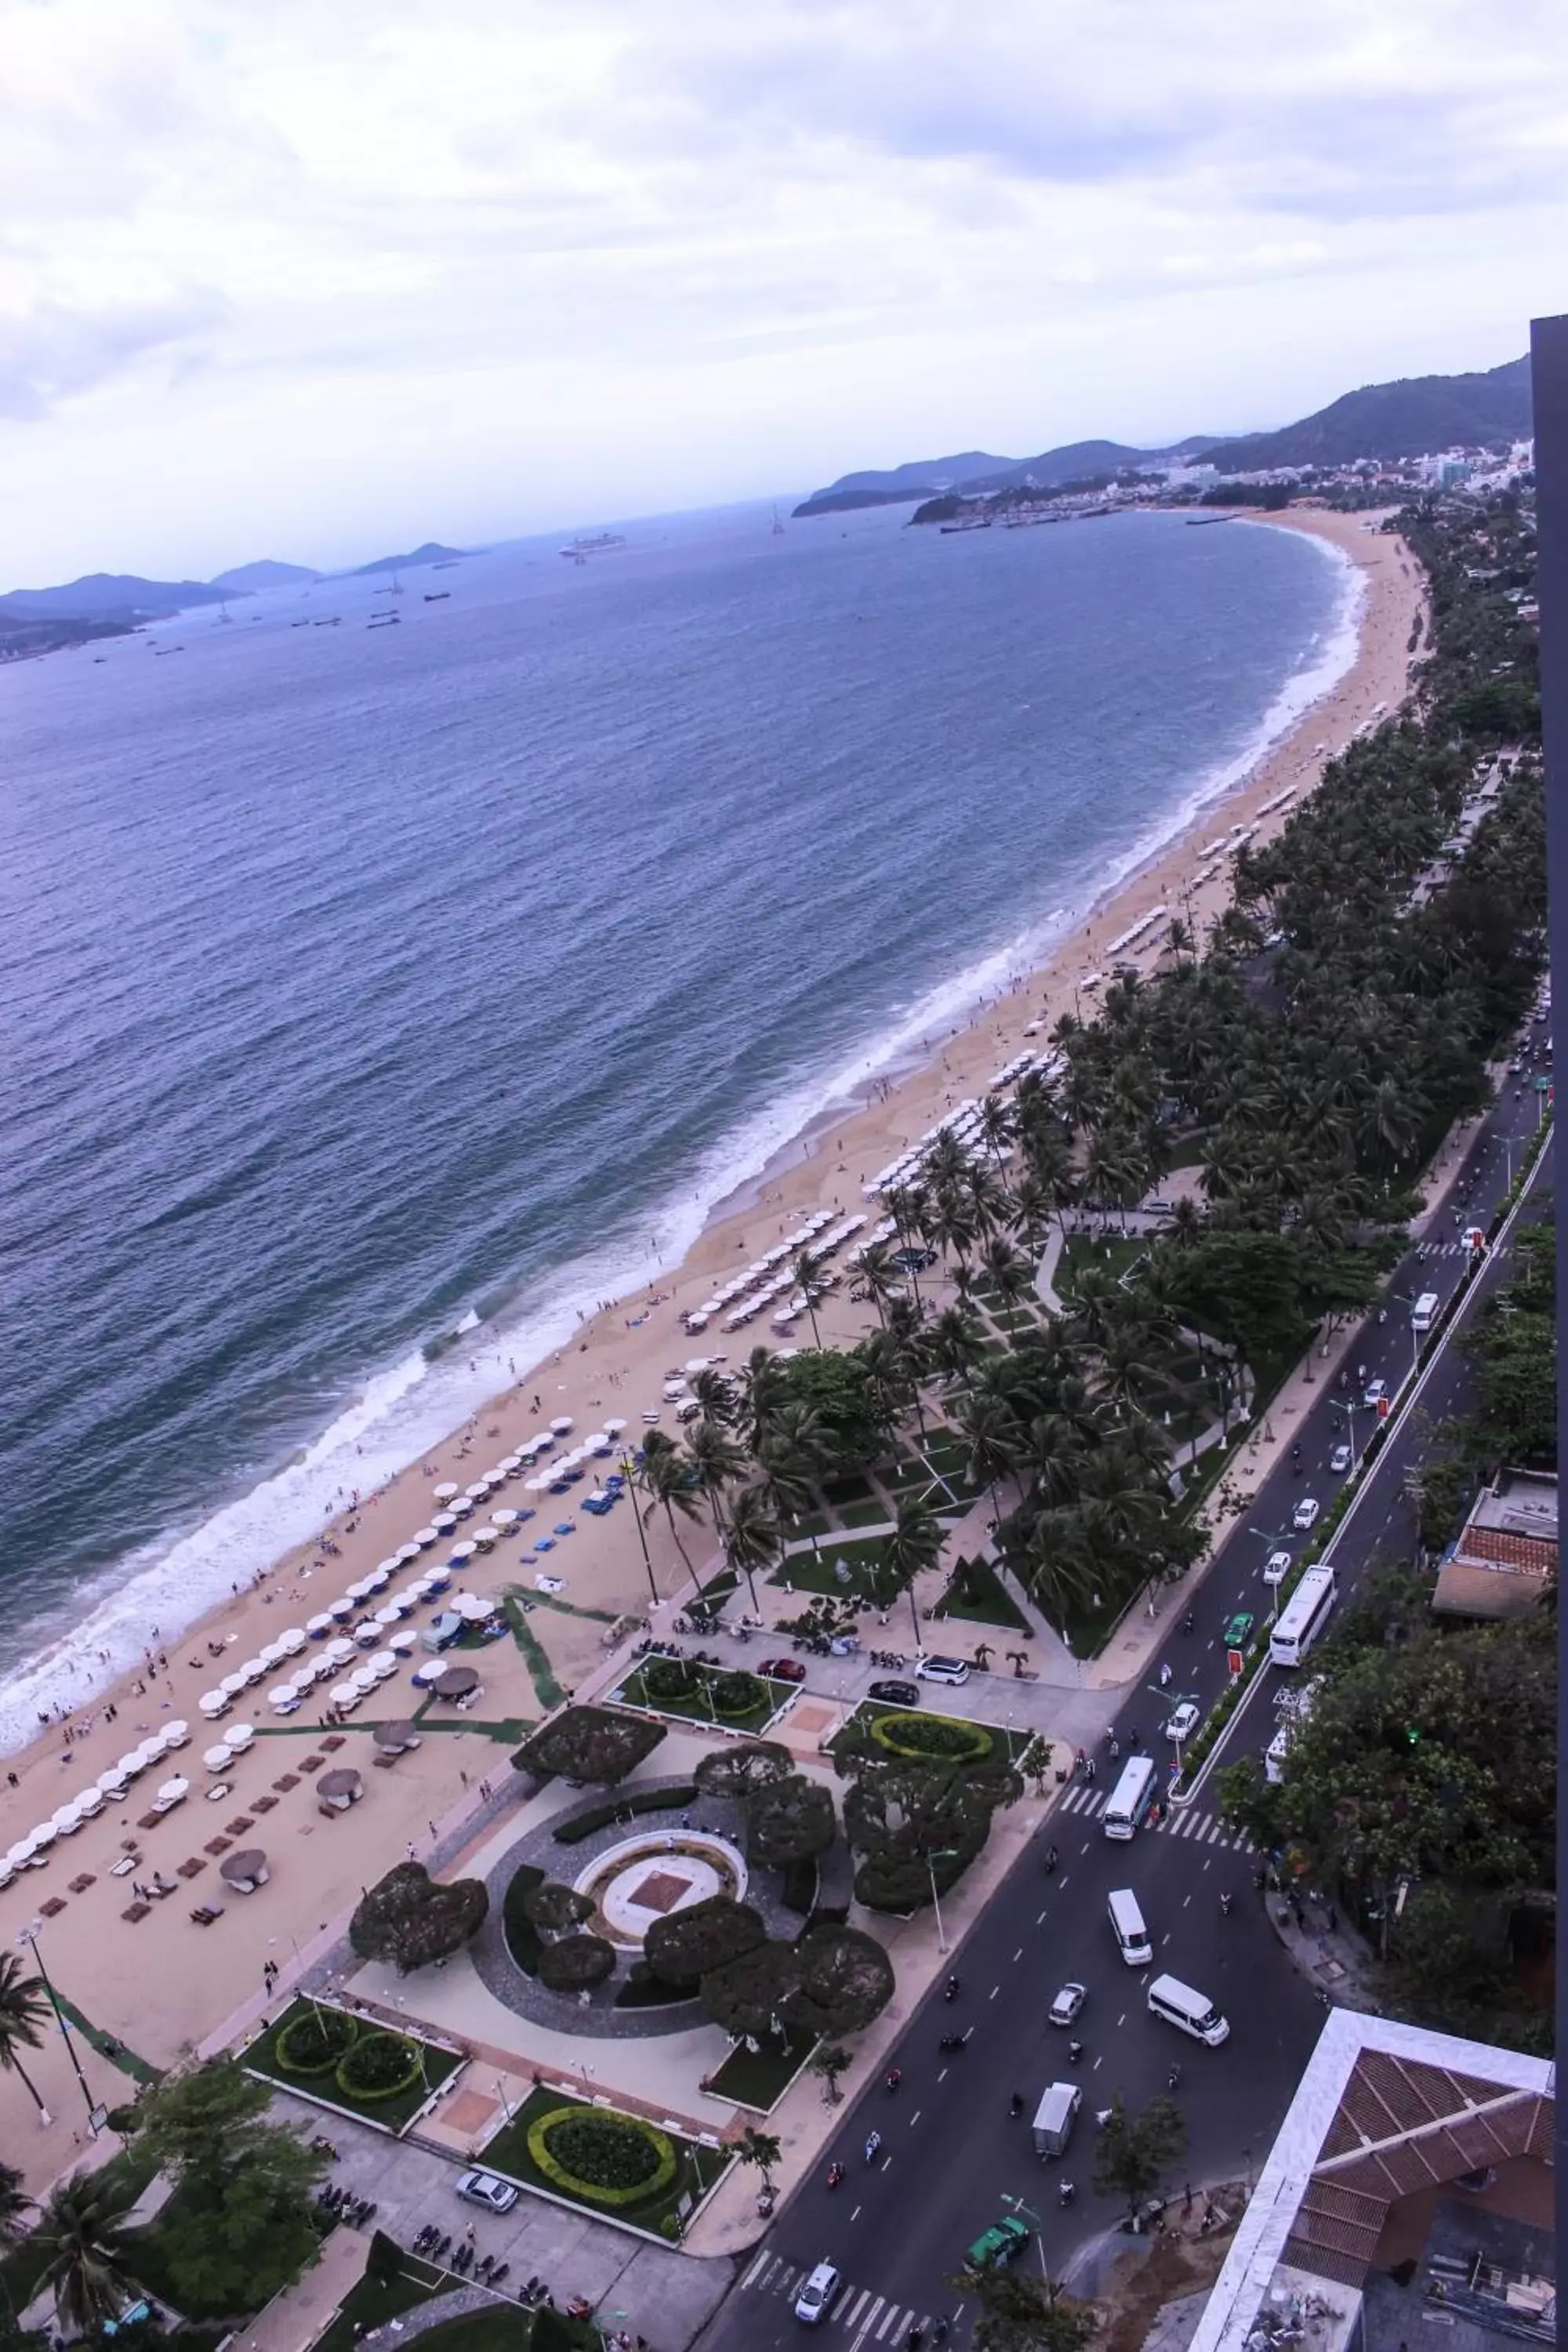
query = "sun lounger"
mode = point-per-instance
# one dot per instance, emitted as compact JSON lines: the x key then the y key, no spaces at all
{"x":205,"y":1912}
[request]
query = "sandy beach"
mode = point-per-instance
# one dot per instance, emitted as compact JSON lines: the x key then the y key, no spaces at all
{"x":162,"y":1984}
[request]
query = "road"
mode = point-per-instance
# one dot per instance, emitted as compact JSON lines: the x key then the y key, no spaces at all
{"x":897,"y":2229}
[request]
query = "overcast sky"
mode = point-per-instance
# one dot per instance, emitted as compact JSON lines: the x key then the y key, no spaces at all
{"x":313,"y":278}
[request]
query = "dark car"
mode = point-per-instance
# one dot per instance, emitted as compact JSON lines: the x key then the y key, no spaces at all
{"x":896,"y":1693}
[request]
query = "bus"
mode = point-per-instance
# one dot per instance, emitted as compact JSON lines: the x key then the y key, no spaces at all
{"x":1303,"y":1617}
{"x":1132,"y":1797}
{"x":1292,"y":1717}
{"x":1424,"y":1313}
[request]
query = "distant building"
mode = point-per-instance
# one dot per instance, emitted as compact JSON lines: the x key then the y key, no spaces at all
{"x":1410,"y":2190}
{"x":1506,"y":1553}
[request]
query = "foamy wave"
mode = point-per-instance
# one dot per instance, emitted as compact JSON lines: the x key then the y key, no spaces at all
{"x":158,"y":1591}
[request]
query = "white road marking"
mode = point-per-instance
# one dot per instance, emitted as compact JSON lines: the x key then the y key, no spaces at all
{"x":762,"y":2262}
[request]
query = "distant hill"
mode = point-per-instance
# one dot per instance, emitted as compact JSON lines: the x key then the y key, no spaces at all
{"x":431,"y":552}
{"x":247,"y":579}
{"x":976,"y":472}
{"x":119,"y":596}
{"x":1415,"y":417}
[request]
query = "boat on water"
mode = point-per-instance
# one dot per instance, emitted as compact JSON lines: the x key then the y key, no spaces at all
{"x":599,"y":543}
{"x":449,"y":564}
{"x":778,"y":524}
{"x":385,"y":621}
{"x":437,"y":595}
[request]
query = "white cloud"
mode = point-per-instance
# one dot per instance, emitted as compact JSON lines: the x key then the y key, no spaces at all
{"x":272,"y":276}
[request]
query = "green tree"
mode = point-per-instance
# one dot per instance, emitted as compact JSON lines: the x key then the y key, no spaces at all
{"x":751,"y":1537}
{"x":1134,"y":2154}
{"x":762,"y":2151}
{"x":14,"y":2205}
{"x":412,"y":1919}
{"x":1017,"y":2312}
{"x":828,"y":2064}
{"x":665,"y":1478}
{"x":914,"y":1546}
{"x":790,"y":1821}
{"x":87,"y":2254}
{"x":240,"y":2224}
{"x":24,"y":2009}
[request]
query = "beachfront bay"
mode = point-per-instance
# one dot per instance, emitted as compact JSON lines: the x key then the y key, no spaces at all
{"x":356,"y":978}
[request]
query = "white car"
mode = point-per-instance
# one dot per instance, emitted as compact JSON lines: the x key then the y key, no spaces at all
{"x":1064,"y":2010}
{"x":487,"y":2189}
{"x":1183,"y":1723}
{"x":1277,"y":1567}
{"x":939,"y":1669}
{"x":1340,"y":1459}
{"x":815,"y":2299}
{"x":1375,"y":1392}
{"x":1305,"y":1514}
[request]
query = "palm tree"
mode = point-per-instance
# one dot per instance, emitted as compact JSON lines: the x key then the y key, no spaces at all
{"x":992,"y":1439}
{"x":878,"y":1275}
{"x":763,"y":2150}
{"x":997,"y":1124}
{"x":23,"y":2009}
{"x":914,"y":1545}
{"x":810,"y":1269}
{"x":763,"y":1383}
{"x":955,"y":1343}
{"x":665,"y":1478}
{"x":14,"y":2205}
{"x":1008,"y":1271}
{"x":89,"y":2255}
{"x":714,"y":1395}
{"x":752,"y":1539}
{"x":1058,"y":1567}
{"x":714,"y":1462}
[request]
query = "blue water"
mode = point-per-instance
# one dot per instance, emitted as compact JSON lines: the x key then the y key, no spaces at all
{"x":351,"y":978}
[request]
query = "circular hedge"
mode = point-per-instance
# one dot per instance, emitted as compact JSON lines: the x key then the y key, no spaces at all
{"x":378,"y":2066}
{"x":669,"y":1678}
{"x":577,"y":1964}
{"x":736,"y":1694}
{"x":314,"y":2042}
{"x":933,"y":1735}
{"x":609,"y":2159}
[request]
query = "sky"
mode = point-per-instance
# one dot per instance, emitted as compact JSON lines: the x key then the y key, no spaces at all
{"x":318,"y":278}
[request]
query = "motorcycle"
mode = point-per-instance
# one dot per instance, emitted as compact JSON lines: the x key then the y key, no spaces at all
{"x":953,"y":2042}
{"x":949,"y":1989}
{"x":1066,"y":2191}
{"x":835,"y":2175}
{"x":894,"y":2077}
{"x":873,"y":2146}
{"x":1075,"y":2054}
{"x":1050,"y":1860}
{"x":1015,"y":2104}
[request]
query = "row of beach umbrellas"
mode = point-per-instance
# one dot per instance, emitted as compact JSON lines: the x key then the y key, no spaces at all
{"x":71,"y":1816}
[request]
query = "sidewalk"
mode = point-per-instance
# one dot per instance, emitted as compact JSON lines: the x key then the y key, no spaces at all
{"x":1333,"y":1959}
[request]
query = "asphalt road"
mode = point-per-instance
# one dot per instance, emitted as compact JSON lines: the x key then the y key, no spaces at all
{"x":950,"y":2154}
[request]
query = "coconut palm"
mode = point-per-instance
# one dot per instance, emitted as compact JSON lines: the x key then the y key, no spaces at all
{"x":89,"y":2257}
{"x":763,"y":1383}
{"x":714,"y":1462}
{"x":878,"y":1275}
{"x":751,"y":1536}
{"x":997,"y":1124}
{"x":1007,"y":1270}
{"x":811,"y":1268}
{"x":715,"y":1394}
{"x":914,"y":1545}
{"x":666,"y":1479}
{"x":24,"y":2010}
{"x":993,"y":1441}
{"x":955,"y":1343}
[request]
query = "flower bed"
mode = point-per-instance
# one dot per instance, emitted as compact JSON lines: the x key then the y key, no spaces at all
{"x":614,"y":2166}
{"x":363,"y":2079}
{"x":741,"y":1702}
{"x":314,"y":2041}
{"x":940,"y":1737}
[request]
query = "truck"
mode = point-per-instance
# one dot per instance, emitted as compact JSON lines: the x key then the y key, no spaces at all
{"x":1055,"y":2117}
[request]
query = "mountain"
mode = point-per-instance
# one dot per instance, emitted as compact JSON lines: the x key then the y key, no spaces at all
{"x":976,"y":472}
{"x":247,"y":579}
{"x":431,"y":552}
{"x":1414,"y":418}
{"x":109,"y":596}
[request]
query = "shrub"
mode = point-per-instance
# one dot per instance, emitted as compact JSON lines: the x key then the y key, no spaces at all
{"x":736,"y":1694}
{"x":580,"y":1825}
{"x":378,"y":2066}
{"x":577,"y":1964}
{"x":557,"y":1910}
{"x":609,"y":2159}
{"x":410,"y":1919}
{"x":314,"y":2042}
{"x":934,"y":1735}
{"x":522,"y":1936}
{"x":589,"y":1743}
{"x":643,"y":1990}
{"x":682,"y":1948}
{"x":798,"y":1893}
{"x":743,"y":1772}
{"x":669,"y":1678}
{"x":790,"y":1821}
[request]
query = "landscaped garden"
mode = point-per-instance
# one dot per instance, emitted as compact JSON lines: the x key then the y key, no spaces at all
{"x":977,"y":1593}
{"x":759,"y":2078}
{"x":353,"y":2064}
{"x":736,"y":1700}
{"x":909,"y":1737}
{"x":617,"y":2166}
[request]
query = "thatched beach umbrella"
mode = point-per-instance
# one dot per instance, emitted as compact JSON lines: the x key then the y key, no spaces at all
{"x":339,"y":1787}
{"x":245,"y":1872}
{"x":391,"y":1739}
{"x":457,"y":1682}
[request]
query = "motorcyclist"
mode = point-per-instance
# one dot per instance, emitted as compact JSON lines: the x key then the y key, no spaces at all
{"x":949,"y":1989}
{"x":873,"y":2146}
{"x":1015,"y":2104}
{"x":895,"y":2076}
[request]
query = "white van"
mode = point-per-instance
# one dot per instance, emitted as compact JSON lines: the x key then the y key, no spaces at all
{"x":1055,"y":2117}
{"x":1127,"y":1923}
{"x":1178,"y":2004}
{"x":1424,"y":1314}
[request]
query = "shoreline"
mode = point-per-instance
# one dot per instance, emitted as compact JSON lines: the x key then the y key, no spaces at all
{"x":152,"y":1981}
{"x":953,"y":1013}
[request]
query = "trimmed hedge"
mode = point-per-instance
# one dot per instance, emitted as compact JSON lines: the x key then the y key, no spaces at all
{"x":520,"y":1935}
{"x":316,"y":2043}
{"x":609,"y":2159}
{"x":623,"y":1810}
{"x":735,"y":1695}
{"x":378,"y":2066}
{"x":939,"y":1736}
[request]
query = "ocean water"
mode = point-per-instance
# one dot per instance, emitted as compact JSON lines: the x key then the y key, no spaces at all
{"x":358,"y":982}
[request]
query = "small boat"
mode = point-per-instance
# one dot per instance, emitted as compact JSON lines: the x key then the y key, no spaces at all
{"x":437,"y":595}
{"x":450,"y":564}
{"x":385,"y":621}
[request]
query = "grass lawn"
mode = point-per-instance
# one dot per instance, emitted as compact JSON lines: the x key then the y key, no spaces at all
{"x":371,"y":2303}
{"x":817,"y":1571}
{"x":998,"y":1739}
{"x":982,"y":1597}
{"x":873,"y":1513}
{"x":1106,"y":1253}
{"x":837,"y":1492}
{"x":697,"y":2167}
{"x":759,"y":2078}
{"x":392,"y":2114}
{"x":633,"y":1691}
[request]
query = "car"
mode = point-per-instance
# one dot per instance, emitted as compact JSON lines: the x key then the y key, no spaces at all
{"x":782,"y":1670}
{"x":487,"y":2189}
{"x":1002,"y":2244}
{"x":1305,"y":1514}
{"x":1341,"y":1458}
{"x":1375,"y":1392}
{"x":1064,"y":2010}
{"x":815,"y":2298}
{"x":1277,"y":1567}
{"x":1183,"y":1722}
{"x":940,"y":1669}
{"x":1237,"y":1629}
{"x":896,"y":1693}
{"x":1515,"y":1068}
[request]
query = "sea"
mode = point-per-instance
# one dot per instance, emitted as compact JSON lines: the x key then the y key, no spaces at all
{"x":374,"y":998}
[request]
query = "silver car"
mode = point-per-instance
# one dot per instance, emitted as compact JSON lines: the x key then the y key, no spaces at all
{"x":815,"y":2300}
{"x":487,"y":2189}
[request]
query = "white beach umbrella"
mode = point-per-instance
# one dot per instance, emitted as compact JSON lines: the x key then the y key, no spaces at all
{"x":505,"y":1518}
{"x":424,"y":1676}
{"x":425,"y":1537}
{"x":271,"y":1653}
{"x":19,"y":1855}
{"x":461,"y":1509}
{"x":446,"y":1523}
{"x":175,"y":1734}
{"x":112,"y":1782}
{"x":89,"y":1802}
{"x":562,"y":1423}
{"x":615,"y":1426}
{"x":480,"y":1491}
{"x":342,"y":1694}
{"x":444,"y":1491}
{"x":283,"y":1697}
{"x":383,"y":1663}
{"x":66,"y":1820}
{"x":130,"y":1763}
{"x":406,"y":1552}
{"x":358,"y":1589}
{"x":339,"y":1649}
{"x":509,"y":1465}
{"x":367,"y":1633}
{"x":172,"y":1791}
{"x":536,"y":1485}
{"x":218,"y":1759}
{"x":342,"y":1611}
{"x":319,"y":1626}
{"x":254,"y":1670}
{"x":45,"y":1834}
{"x":403,"y":1643}
{"x":239,"y":1737}
{"x":150,"y":1752}
{"x":464,"y":1550}
{"x":364,"y":1683}
{"x":387,"y":1618}
{"x":231,"y":1685}
{"x":292,"y":1640}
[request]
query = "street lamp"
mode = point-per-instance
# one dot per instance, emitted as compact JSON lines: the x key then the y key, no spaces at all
{"x":942,"y":1854}
{"x":29,"y":1936}
{"x":1027,"y":2213}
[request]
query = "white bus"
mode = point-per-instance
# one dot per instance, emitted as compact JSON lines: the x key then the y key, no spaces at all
{"x":1425,"y":1312}
{"x":1303,"y":1617}
{"x":1132,"y":1797}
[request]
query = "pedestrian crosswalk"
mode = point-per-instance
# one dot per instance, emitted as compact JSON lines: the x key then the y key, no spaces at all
{"x":1182,"y":1822}
{"x":869,"y":2317}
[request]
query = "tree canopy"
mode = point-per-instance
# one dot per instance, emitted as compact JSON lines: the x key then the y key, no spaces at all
{"x":590,"y":1743}
{"x":411,"y":1919}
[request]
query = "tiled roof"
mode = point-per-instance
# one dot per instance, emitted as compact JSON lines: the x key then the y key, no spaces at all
{"x":1533,"y":1555}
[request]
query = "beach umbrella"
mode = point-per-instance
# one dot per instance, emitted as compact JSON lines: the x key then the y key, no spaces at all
{"x":362,"y":1683}
{"x":283,"y":1697}
{"x":232,"y":1684}
{"x":444,"y":1491}
{"x":245,"y":1871}
{"x":342,"y":1611}
{"x":391,"y":1739}
{"x":478,"y":1490}
{"x":112,"y":1782}
{"x":66,"y":1820}
{"x":239,"y":1737}
{"x":457,"y":1682}
{"x":505,"y":1517}
{"x":391,"y":1615}
{"x":383,"y":1663}
{"x":337,"y":1651}
{"x":172,"y":1791}
{"x":358,"y":1590}
{"x":445,"y":1525}
{"x":175,"y":1734}
{"x":437,"y":1581}
{"x":254,"y":1670}
{"x":425,"y":1537}
{"x":319,"y":1626}
{"x":344,"y":1694}
{"x":403,"y":1643}
{"x":424,"y":1676}
{"x":484,"y":1537}
{"x":291,"y":1640}
{"x":473,"y":1606}
{"x":615,"y":1427}
{"x":464,"y":1550}
{"x":461,"y":1509}
{"x":378,"y":1579}
{"x":509,"y":1465}
{"x":130,"y":1763}
{"x":89,"y":1802}
{"x":271,"y":1652}
{"x":367,"y":1633}
{"x":150,"y":1752}
{"x":19,"y":1855}
{"x":560,"y":1424}
{"x":45,"y":1834}
{"x":218,"y":1759}
{"x":406,"y":1552}
{"x":340,"y":1786}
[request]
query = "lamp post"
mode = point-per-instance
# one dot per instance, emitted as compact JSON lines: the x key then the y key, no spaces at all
{"x":1027,"y":2213}
{"x":630,"y":1478}
{"x":942,"y":1854}
{"x":29,"y":1936}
